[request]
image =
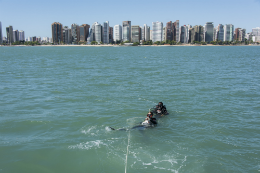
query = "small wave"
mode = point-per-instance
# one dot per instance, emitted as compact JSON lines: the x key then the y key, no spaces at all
{"x":88,"y":145}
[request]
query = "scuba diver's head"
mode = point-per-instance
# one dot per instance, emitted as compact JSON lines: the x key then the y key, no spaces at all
{"x":150,"y":114}
{"x":160,"y":104}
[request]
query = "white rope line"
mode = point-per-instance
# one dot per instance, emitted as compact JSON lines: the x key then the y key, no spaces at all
{"x":127,"y":150}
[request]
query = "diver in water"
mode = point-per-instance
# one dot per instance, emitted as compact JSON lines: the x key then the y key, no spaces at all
{"x":161,"y":109}
{"x":152,"y":120}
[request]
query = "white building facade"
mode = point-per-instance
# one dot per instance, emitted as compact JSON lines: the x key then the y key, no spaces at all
{"x":157,"y":31}
{"x":21,"y":36}
{"x":228,"y":32}
{"x":118,"y":33}
{"x":256,"y":33}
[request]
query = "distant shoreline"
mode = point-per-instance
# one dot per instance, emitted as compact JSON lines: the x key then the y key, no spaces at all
{"x":116,"y":45}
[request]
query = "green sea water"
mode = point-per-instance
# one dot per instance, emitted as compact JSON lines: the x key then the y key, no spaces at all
{"x":57,"y":104}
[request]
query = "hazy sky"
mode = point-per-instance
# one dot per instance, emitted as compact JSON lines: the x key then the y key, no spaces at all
{"x":35,"y":17}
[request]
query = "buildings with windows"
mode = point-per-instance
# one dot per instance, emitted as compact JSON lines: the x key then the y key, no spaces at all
{"x":228,"y":32}
{"x":21,"y":36}
{"x":146,"y":32}
{"x":157,"y":31}
{"x":9,"y":34}
{"x":98,"y":33}
{"x":135,"y":33}
{"x":142,"y":33}
{"x":219,"y":33}
{"x":242,"y":34}
{"x":208,"y":32}
{"x":1,"y":34}
{"x":111,"y":39}
{"x":256,"y":33}
{"x":75,"y":33}
{"x":176,"y":31}
{"x":106,"y":32}
{"x":16,"y":35}
{"x":118,"y":33}
{"x":184,"y":33}
{"x":57,"y":35}
{"x":126,"y":26}
{"x":91,"y":36}
{"x":169,"y":31}
{"x":83,"y":32}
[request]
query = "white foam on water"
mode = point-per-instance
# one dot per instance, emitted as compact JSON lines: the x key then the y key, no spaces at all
{"x":88,"y":145}
{"x":91,"y":131}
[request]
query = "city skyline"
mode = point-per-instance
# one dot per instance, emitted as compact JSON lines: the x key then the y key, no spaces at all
{"x":192,"y":13}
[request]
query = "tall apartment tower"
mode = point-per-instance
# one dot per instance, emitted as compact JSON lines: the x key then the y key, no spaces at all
{"x":111,"y":35}
{"x":135,"y":34}
{"x":157,"y":31}
{"x":169,"y":31}
{"x":57,"y":35}
{"x":98,"y":32}
{"x":228,"y":32}
{"x":106,"y":32}
{"x":256,"y":33}
{"x":1,"y":34}
{"x":9,"y":34}
{"x":236,"y":34}
{"x":21,"y":36}
{"x":118,"y":33}
{"x":83,"y":32}
{"x":146,"y":32}
{"x":208,"y":32}
{"x":242,"y":34}
{"x":74,"y":33}
{"x":91,"y":36}
{"x":176,"y":31}
{"x":126,"y":26}
{"x":219,"y":33}
{"x":16,"y":35}
{"x":65,"y":34}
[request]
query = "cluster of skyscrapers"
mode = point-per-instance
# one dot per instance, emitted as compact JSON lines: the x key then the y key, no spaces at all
{"x":103,"y":33}
{"x":12,"y":35}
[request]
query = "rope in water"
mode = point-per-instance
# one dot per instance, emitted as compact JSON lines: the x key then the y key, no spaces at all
{"x":127,"y":151}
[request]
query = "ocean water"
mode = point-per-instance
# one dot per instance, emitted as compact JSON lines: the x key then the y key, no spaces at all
{"x":57,"y":104}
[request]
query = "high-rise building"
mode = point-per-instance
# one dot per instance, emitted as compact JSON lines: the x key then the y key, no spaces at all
{"x":164,"y":34}
{"x":228,"y":32}
{"x":98,"y":32}
{"x":219,"y":33}
{"x":74,"y":33}
{"x":106,"y":32}
{"x":146,"y":33}
{"x":91,"y":36}
{"x":142,"y":33}
{"x":83,"y":32}
{"x":157,"y":31}
{"x":16,"y":35}
{"x":118,"y":33}
{"x":208,"y":32}
{"x":236,"y":34}
{"x":176,"y":31}
{"x":169,"y":31}
{"x":39,"y":39}
{"x":192,"y":35}
{"x":256,"y":33}
{"x":21,"y":36}
{"x":9,"y":34}
{"x":151,"y":34}
{"x":135,"y":34}
{"x":65,"y":34}
{"x":57,"y":35}
{"x":111,"y":35}
{"x":242,"y":34}
{"x":1,"y":34}
{"x":199,"y":33}
{"x":126,"y":26}
{"x":184,"y":33}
